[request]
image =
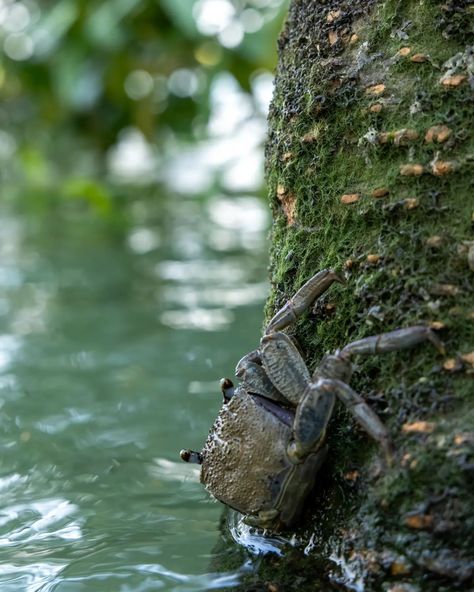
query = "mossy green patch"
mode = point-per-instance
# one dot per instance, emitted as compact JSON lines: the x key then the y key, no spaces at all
{"x":336,"y":128}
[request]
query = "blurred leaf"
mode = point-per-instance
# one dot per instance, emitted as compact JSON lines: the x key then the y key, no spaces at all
{"x":77,"y":78}
{"x":93,"y":192}
{"x":72,"y":99}
{"x":53,"y":26}
{"x":181,"y":14}
{"x":35,"y":166}
{"x":103,"y":23}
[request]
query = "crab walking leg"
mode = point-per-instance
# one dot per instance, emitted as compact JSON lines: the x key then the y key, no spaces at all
{"x":311,"y":419}
{"x":305,"y":296}
{"x":284,"y":366}
{"x":400,"y":339}
{"x":363,"y":414}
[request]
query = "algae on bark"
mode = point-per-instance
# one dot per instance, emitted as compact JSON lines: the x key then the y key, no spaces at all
{"x":369,"y":168}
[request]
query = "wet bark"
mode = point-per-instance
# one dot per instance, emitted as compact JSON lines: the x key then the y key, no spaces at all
{"x":369,"y":169}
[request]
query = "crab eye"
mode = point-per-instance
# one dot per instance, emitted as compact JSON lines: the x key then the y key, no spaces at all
{"x":227,"y":388}
{"x":226,"y":383}
{"x":191,"y":456}
{"x":185,"y":455}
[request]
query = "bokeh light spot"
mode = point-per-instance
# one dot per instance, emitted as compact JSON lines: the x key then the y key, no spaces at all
{"x":208,"y":54}
{"x":212,"y":16}
{"x":16,"y":18}
{"x":251,"y":20}
{"x":232,"y":35}
{"x":183,"y":82}
{"x":18,"y":47}
{"x":138,"y":84}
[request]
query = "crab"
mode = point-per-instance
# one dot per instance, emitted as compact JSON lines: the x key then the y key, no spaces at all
{"x":268,"y":442}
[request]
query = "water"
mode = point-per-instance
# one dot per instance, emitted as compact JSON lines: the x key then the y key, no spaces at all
{"x":111,"y":348}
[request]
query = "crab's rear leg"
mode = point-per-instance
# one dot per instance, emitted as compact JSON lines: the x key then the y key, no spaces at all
{"x":303,"y":299}
{"x":394,"y":340}
{"x":363,"y":414}
{"x":314,"y":413}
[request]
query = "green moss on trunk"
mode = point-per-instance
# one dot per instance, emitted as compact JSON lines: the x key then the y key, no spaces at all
{"x":360,"y":87}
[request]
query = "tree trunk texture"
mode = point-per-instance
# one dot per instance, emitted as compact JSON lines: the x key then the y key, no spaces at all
{"x":369,"y":167}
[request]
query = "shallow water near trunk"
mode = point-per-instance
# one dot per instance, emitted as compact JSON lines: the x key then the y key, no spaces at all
{"x":112,"y":345}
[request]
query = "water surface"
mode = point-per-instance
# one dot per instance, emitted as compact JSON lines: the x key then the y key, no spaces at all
{"x":111,"y":347}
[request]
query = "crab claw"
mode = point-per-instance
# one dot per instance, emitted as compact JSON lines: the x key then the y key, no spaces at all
{"x":191,"y":456}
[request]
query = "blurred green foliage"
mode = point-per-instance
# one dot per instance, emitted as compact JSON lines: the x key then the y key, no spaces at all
{"x":73,"y":74}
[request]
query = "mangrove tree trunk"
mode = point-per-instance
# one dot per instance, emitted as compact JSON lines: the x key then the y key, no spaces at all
{"x":369,"y":161}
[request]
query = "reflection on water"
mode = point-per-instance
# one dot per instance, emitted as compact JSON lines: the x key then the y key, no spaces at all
{"x":110,"y":356}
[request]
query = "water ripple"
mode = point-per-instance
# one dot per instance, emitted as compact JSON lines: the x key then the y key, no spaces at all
{"x":28,"y":578}
{"x":97,"y":395}
{"x":255,"y":540}
{"x":161,"y":577}
{"x":39,"y":521}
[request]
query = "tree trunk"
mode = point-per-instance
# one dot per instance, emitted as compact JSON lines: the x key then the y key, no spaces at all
{"x":369,"y":159}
